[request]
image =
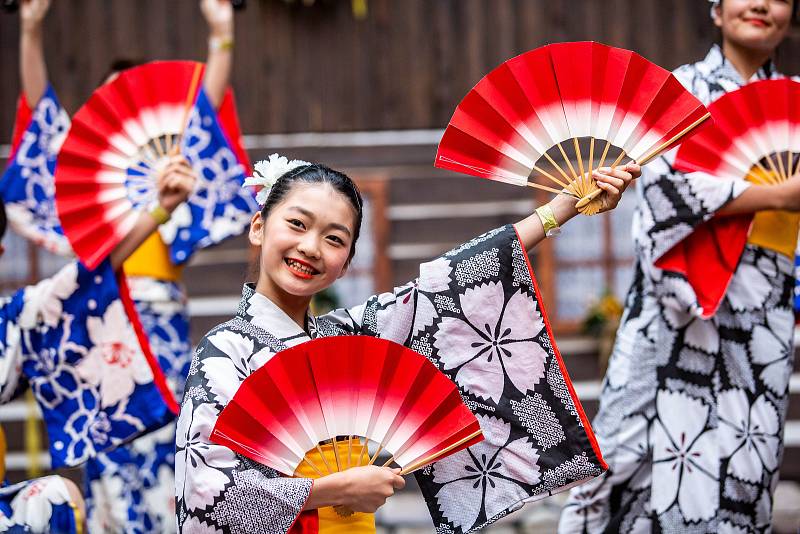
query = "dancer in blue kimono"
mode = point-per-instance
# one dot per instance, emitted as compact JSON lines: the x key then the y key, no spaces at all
{"x":130,"y":489}
{"x":73,"y":340}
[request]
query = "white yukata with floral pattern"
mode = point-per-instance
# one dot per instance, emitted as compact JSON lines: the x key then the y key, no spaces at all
{"x":474,"y":312}
{"x":692,"y":410}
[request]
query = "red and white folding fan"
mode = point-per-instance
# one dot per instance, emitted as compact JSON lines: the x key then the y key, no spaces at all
{"x":513,"y":126}
{"x":755,"y":137}
{"x":755,"y":127}
{"x":118,"y":142}
{"x":346,"y":386}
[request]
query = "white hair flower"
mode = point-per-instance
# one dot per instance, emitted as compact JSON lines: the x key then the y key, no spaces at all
{"x":267,"y":171}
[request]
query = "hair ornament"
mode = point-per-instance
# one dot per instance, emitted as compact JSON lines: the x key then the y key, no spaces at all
{"x":714,"y":5}
{"x":267,"y":171}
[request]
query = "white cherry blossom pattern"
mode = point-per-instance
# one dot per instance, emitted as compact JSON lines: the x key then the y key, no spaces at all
{"x":413,"y":312}
{"x":703,"y":334}
{"x":769,"y":349}
{"x":204,"y":462}
{"x":486,"y":476}
{"x":109,"y":508}
{"x":749,"y":434}
{"x":231,"y":368}
{"x":115,"y":361}
{"x":196,"y":526}
{"x":45,"y":299}
{"x":435,"y":276}
{"x":496,"y":339}
{"x":749,"y":289}
{"x":684,"y":462}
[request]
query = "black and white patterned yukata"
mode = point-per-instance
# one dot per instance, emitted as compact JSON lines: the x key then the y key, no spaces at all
{"x":692,"y":410}
{"x":475,"y":312}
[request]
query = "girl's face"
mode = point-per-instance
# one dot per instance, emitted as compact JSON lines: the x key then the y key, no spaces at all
{"x":759,"y":25}
{"x":305,"y":241}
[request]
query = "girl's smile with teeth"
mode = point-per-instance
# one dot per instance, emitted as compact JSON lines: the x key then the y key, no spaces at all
{"x":299,"y":268}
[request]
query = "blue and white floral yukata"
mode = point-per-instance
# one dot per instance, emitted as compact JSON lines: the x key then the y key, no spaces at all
{"x":71,"y":339}
{"x":39,"y":505}
{"x":130,"y":489}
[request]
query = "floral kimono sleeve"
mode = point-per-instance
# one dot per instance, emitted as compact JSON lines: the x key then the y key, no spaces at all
{"x":220,"y":206}
{"x":82,"y":357}
{"x":27,"y":185}
{"x":10,"y":346}
{"x":216,"y":489}
{"x":476,"y":313}
{"x":674,"y":204}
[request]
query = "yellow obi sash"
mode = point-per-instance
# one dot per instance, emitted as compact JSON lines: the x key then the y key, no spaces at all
{"x":330,"y":522}
{"x":776,"y":230}
{"x":151,"y":259}
{"x":773,"y":229}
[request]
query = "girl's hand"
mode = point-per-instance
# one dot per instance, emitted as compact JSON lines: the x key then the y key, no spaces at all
{"x":219,"y":16}
{"x":365,"y":489}
{"x":175,"y":183}
{"x":614,"y":182}
{"x":32,"y":13}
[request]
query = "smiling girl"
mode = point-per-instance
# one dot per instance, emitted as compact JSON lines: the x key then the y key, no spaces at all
{"x":692,"y":410}
{"x":475,"y":312}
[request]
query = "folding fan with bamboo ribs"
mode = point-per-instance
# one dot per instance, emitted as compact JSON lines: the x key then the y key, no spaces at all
{"x":547,"y":118}
{"x":118,"y":142}
{"x":755,"y":137}
{"x":346,"y":387}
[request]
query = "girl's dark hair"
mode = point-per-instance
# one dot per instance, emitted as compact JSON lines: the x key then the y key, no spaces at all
{"x":119,"y":65}
{"x":317,"y":174}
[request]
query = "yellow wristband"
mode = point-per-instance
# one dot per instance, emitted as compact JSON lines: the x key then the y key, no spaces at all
{"x":548,"y":219}
{"x":160,"y":214}
{"x":220,"y":43}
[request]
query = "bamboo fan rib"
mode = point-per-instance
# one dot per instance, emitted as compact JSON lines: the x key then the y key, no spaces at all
{"x":549,"y":117}
{"x":118,"y":142}
{"x":346,"y":391}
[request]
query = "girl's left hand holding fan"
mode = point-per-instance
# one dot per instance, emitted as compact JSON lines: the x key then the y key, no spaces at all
{"x":175,"y":183}
{"x":613,"y":181}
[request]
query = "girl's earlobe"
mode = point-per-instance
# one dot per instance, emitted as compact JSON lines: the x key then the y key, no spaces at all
{"x":256,"y":230}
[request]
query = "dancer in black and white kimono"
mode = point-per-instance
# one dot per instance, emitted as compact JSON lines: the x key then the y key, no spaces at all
{"x":692,"y":409}
{"x":475,"y":312}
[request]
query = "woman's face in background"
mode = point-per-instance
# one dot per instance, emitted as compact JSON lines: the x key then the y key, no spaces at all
{"x":758,"y":25}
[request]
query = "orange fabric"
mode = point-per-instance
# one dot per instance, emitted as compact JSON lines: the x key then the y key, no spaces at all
{"x":330,"y":522}
{"x":776,"y":230}
{"x":151,"y":259}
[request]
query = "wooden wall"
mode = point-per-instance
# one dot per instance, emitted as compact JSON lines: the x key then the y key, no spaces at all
{"x":317,"y":68}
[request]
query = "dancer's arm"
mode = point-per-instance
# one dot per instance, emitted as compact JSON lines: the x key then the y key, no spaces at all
{"x":32,"y":67}
{"x":175,"y":184}
{"x":219,"y":16}
{"x":530,"y":229}
{"x":784,"y":196}
{"x":361,"y":489}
